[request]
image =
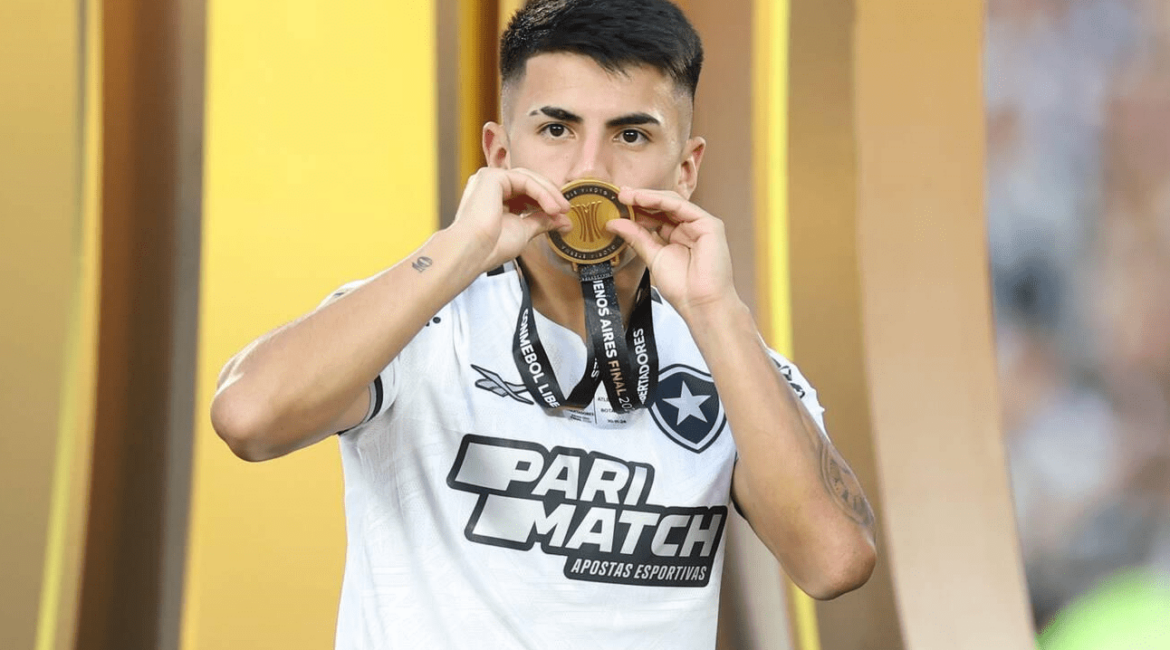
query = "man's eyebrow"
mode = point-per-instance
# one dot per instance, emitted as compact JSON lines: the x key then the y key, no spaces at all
{"x":558,"y":114}
{"x":633,"y":119}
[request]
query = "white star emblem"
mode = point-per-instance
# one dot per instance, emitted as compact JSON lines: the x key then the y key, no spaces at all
{"x":687,"y":404}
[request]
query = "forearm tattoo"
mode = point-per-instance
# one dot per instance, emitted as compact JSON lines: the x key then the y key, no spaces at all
{"x":842,"y":484}
{"x":839,"y":481}
{"x":421,"y":264}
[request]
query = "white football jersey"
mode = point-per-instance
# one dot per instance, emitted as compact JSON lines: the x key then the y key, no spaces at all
{"x":477,"y":520}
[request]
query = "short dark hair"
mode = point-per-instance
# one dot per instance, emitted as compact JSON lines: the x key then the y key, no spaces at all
{"x":614,"y":33}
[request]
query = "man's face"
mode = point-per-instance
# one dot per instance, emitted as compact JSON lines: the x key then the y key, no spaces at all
{"x":568,"y":119}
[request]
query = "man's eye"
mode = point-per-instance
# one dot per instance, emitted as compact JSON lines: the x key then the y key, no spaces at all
{"x":630,"y":136}
{"x":555,"y":130}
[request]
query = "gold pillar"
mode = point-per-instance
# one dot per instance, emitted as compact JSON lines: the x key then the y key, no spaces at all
{"x":826,"y":298}
{"x":479,"y":96}
{"x":740,"y":110}
{"x":321,"y":168}
{"x":150,"y":169}
{"x":892,"y":314}
{"x":41,"y":229}
{"x":926,"y":309}
{"x":64,"y":546}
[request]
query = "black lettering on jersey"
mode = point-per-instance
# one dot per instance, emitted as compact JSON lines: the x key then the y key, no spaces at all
{"x":590,"y":508}
{"x":787,"y":372}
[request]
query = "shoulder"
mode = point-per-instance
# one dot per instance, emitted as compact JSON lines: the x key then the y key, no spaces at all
{"x":490,"y":303}
{"x":494,"y":294}
{"x":499,"y":283}
{"x":666,"y":317}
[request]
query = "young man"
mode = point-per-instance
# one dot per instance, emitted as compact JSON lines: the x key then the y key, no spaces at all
{"x":482,"y":512}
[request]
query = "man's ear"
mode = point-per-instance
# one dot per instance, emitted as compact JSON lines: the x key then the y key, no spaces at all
{"x":688,"y":169}
{"x":495,"y":146}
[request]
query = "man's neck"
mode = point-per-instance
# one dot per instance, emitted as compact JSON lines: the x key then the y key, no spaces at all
{"x":556,"y":291}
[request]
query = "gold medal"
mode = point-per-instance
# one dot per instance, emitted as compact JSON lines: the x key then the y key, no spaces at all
{"x":594,"y":204}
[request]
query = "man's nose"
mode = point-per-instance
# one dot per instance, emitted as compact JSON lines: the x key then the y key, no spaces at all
{"x":592,"y":162}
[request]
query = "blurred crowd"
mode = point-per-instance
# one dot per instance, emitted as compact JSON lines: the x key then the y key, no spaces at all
{"x":1078,"y":187}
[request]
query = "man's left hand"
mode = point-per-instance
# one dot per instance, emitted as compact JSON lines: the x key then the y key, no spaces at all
{"x":687,"y":253}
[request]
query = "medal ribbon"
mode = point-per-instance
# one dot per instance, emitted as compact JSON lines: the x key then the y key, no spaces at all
{"x":625,"y":361}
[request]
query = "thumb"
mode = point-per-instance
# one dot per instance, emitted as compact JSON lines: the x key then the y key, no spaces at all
{"x":539,"y":222}
{"x":639,"y":239}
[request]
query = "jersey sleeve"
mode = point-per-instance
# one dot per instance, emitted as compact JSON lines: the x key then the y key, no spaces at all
{"x":800,"y":386}
{"x":385,"y":385}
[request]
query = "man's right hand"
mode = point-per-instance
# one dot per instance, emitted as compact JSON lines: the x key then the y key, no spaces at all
{"x":306,"y":380}
{"x":503,"y":209}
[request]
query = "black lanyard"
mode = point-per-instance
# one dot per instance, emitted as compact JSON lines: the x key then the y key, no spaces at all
{"x":614,"y":353}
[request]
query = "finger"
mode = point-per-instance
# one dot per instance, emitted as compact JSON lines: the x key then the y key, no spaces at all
{"x":644,"y":243}
{"x":665,"y":231}
{"x":651,"y":219}
{"x":547,"y":184}
{"x":529,"y":210}
{"x":671,"y":232}
{"x":658,"y":239}
{"x":678,"y":208}
{"x":539,"y":223}
{"x":683,"y":231}
{"x":548,"y":195}
{"x":522,"y":205}
{"x":517,"y":184}
{"x":680,"y":235}
{"x":696,"y":230}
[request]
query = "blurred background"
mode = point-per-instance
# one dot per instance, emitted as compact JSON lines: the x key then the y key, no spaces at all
{"x":987,"y":320}
{"x":1078,"y":192}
